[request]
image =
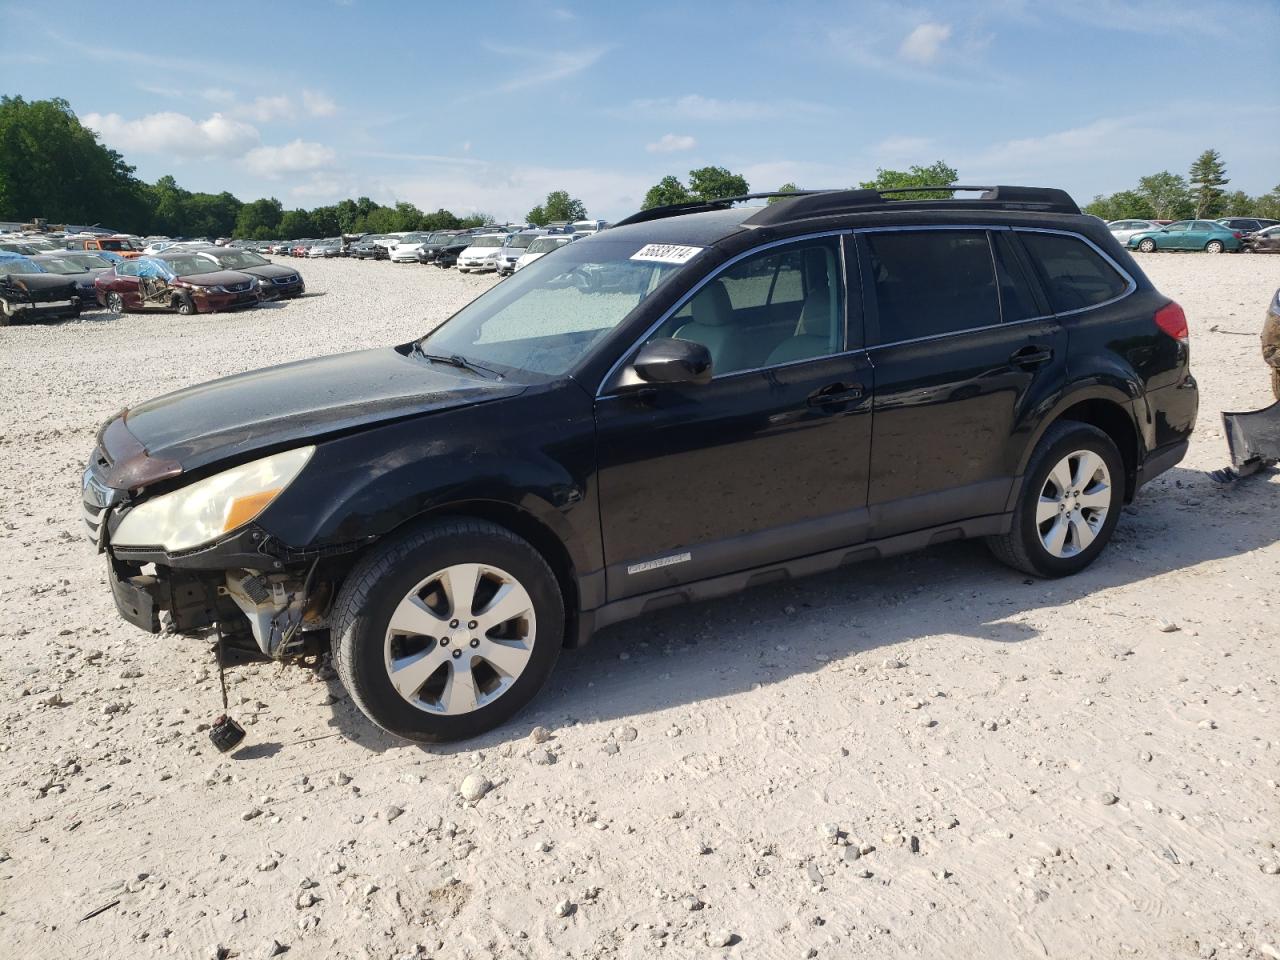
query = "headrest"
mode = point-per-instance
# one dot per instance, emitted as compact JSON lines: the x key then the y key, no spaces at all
{"x":711,"y":305}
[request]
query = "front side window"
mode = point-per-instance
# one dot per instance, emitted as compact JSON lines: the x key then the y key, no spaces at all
{"x":1075,"y":275}
{"x":777,"y":306}
{"x":547,"y":317}
{"x":930,"y":283}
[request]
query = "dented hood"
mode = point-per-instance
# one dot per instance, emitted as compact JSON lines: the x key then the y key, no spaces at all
{"x":298,"y":403}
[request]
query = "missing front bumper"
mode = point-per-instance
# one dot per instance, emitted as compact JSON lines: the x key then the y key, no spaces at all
{"x":1253,"y":438}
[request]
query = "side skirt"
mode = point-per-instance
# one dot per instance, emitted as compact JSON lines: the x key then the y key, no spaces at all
{"x":591,"y":620}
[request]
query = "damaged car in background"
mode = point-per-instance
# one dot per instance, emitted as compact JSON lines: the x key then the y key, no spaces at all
{"x":183,"y":282}
{"x":29,"y":293}
{"x":275,"y":282}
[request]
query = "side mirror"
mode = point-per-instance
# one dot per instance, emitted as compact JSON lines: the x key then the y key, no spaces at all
{"x":673,"y":361}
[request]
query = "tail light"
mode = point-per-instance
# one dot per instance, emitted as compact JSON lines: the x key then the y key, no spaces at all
{"x":1172,"y":321}
{"x":1237,"y":234}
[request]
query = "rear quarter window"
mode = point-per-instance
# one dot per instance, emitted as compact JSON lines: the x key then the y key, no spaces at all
{"x":1075,"y":276}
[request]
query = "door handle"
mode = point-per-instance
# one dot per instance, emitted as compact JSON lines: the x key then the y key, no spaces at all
{"x":835,"y":393}
{"x":1031,"y":356}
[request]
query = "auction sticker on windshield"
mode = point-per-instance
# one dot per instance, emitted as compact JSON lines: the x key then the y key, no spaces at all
{"x":666,"y":253}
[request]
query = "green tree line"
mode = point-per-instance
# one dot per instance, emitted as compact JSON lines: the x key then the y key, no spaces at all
{"x":52,"y":166}
{"x":1171,"y":196}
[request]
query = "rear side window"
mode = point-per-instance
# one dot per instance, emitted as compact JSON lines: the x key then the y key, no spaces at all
{"x":932,"y":282}
{"x":1075,"y":276}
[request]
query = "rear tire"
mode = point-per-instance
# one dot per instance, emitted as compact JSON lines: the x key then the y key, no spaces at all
{"x":1214,"y":246}
{"x":481,"y":673}
{"x":1060,"y":527}
{"x":1147,"y":246}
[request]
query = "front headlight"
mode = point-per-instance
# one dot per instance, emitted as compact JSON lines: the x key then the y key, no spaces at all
{"x":209,"y":508}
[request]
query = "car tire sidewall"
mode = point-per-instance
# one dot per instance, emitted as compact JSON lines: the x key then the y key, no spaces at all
{"x":1083,"y":437}
{"x":364,"y":639}
{"x":1214,"y":246}
{"x":1147,"y":246}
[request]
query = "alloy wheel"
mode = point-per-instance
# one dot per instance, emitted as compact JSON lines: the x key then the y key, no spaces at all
{"x":1147,"y":246}
{"x":1074,"y":503}
{"x":460,"y":639}
{"x":115,"y":303}
{"x":1213,"y":246}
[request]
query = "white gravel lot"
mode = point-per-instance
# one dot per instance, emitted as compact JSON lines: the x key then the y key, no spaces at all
{"x":927,"y":756}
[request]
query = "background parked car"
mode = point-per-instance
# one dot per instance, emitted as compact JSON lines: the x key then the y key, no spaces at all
{"x":540,"y":247}
{"x":1266,"y":240}
{"x":405,"y":249}
{"x":438,"y":240}
{"x":275,"y":281}
{"x":1203,"y":235}
{"x":1247,"y":226}
{"x":29,"y":292}
{"x":589,"y":226}
{"x":517,"y":244}
{"x":73,"y":264}
{"x":1122,"y":230}
{"x":447,"y":254}
{"x":127,"y":247}
{"x":182,"y":281}
{"x":482,"y":254}
{"x":372,"y":247}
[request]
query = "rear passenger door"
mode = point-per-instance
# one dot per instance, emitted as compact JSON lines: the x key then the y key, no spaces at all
{"x":965,"y":352}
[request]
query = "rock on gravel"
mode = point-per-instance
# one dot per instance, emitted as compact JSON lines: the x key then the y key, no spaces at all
{"x":474,"y":787}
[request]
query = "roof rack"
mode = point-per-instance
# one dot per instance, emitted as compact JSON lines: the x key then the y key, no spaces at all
{"x":702,"y":206}
{"x":806,"y":204}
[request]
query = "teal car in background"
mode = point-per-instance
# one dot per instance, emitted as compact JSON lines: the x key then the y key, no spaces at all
{"x":1188,"y":235}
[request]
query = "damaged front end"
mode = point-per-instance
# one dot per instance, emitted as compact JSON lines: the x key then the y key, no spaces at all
{"x":253,"y":590}
{"x":36,"y":296}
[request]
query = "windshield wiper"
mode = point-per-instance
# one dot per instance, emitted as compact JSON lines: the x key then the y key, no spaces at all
{"x":455,"y":360}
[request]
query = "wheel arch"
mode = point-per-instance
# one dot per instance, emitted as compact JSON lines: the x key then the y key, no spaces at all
{"x":523,"y":524}
{"x":1108,"y":409}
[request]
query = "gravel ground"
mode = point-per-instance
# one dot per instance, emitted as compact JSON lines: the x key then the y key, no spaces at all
{"x":926,"y":756}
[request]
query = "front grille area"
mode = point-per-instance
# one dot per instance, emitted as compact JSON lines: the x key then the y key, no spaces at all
{"x":285,"y":281}
{"x":238,"y":287}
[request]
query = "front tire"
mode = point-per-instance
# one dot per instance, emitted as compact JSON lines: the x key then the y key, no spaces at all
{"x":185,"y":306}
{"x":1069,"y":505}
{"x":115,"y":303}
{"x":447,"y":631}
{"x":1147,"y":246}
{"x":1214,"y":246}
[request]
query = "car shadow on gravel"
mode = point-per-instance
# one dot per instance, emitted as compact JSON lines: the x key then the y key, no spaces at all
{"x":722,"y":647}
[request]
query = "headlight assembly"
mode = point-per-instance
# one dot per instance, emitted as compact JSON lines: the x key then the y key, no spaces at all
{"x":209,"y":508}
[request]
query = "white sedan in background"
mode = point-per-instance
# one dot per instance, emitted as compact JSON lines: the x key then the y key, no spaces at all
{"x":1122,"y":230}
{"x":482,"y":256}
{"x":405,"y":249}
{"x":541,"y":246}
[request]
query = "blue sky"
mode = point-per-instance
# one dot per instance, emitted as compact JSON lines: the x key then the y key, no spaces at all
{"x":489,"y":105}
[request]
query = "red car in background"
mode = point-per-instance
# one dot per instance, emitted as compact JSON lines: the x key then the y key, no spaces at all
{"x":182,"y":282}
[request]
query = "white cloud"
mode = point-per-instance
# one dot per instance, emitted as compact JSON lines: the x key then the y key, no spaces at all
{"x":671,"y":143}
{"x":317,"y":104}
{"x":298,"y":156}
{"x":694,"y":106}
{"x":175,"y":133}
{"x":218,"y":94}
{"x":266,"y":109}
{"x":544,"y":66}
{"x":924,"y":43}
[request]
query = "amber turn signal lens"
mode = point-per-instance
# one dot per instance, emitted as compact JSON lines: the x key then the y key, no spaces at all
{"x":244,"y":509}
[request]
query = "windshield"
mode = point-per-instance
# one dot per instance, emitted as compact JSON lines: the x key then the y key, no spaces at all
{"x":190,"y":266}
{"x":22,"y":248}
{"x":548,"y":316}
{"x":544,"y":244}
{"x":522,"y":240}
{"x":63,"y":266}
{"x":413,"y":238}
{"x":488,"y":241}
{"x":88,"y":261}
{"x":239,"y":259}
{"x":18,"y":266}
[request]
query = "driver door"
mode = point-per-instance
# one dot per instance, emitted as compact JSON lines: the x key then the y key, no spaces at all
{"x":765,"y":463}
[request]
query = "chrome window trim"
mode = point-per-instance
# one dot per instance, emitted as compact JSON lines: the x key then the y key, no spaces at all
{"x":692,"y":292}
{"x":1131,"y":285}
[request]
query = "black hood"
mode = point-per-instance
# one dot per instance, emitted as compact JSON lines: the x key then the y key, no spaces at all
{"x":37,"y":286}
{"x":269,"y":271}
{"x":298,"y":403}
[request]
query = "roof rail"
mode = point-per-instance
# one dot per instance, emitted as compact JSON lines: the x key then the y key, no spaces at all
{"x":804,"y":204}
{"x":833,"y":202}
{"x":701,"y":206}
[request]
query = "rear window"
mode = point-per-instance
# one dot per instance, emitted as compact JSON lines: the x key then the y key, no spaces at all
{"x":932,"y":282}
{"x":1075,"y":275}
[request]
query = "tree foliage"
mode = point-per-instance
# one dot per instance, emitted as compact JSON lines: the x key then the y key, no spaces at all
{"x":785,"y":188}
{"x":705,"y":183}
{"x":934,"y":175}
{"x":558,"y":206}
{"x":1208,"y":177}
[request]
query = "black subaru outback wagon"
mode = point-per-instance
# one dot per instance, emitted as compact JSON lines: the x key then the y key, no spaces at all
{"x":703,"y":398}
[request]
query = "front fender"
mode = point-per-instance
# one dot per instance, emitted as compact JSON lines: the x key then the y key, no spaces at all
{"x":534,"y":453}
